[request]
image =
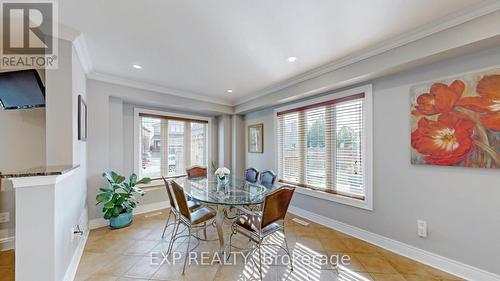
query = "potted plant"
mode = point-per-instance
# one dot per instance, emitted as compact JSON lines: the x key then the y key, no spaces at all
{"x":118,"y":198}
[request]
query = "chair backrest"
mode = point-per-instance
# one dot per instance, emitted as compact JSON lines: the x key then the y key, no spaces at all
{"x":196,"y":171}
{"x":252,"y":175}
{"x":180,"y":198}
{"x":267,"y":178}
{"x":169,"y":193}
{"x":276,"y":205}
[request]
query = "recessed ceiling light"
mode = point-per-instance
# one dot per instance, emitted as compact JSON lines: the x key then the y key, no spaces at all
{"x":292,"y":59}
{"x":136,"y":66}
{"x":229,"y":91}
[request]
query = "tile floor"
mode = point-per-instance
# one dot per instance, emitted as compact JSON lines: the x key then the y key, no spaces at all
{"x":126,"y":254}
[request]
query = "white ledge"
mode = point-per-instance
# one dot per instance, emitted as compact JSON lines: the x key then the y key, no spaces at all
{"x":28,"y":181}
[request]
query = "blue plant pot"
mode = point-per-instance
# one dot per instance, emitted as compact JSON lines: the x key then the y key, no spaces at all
{"x":123,"y":220}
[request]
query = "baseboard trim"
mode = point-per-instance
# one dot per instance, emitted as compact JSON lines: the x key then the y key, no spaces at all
{"x":7,"y":243}
{"x":141,"y":209}
{"x":457,"y":268}
{"x":75,"y":261}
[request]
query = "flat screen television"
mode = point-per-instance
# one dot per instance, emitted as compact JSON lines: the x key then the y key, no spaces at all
{"x":21,"y":90}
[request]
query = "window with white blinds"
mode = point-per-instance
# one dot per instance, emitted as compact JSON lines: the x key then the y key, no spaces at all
{"x":321,"y":146}
{"x":168,"y":145}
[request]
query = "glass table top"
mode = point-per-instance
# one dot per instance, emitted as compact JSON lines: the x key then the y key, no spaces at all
{"x":236,"y":191}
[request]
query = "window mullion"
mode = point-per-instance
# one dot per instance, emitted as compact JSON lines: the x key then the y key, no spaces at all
{"x":164,"y":147}
{"x":187,"y":144}
{"x":302,"y":147}
{"x":329,"y":145}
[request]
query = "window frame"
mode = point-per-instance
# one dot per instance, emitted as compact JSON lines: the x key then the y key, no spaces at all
{"x":367,"y":202}
{"x":137,"y":131}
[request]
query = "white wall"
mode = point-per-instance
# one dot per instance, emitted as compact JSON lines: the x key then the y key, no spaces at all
{"x":460,"y":205}
{"x":225,"y":141}
{"x":63,"y":148}
{"x":238,"y":145}
{"x":267,"y":159}
{"x":60,"y":108}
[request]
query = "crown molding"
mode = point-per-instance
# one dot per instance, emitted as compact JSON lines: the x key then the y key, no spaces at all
{"x":83,"y":53}
{"x":429,"y":29}
{"x":154,"y":88}
{"x":67,"y":33}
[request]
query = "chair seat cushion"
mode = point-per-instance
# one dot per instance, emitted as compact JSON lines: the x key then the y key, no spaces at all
{"x":202,"y":215}
{"x":251,"y":222}
{"x":193,"y":204}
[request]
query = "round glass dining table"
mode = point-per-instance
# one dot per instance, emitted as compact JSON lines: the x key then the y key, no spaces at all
{"x":235,"y":192}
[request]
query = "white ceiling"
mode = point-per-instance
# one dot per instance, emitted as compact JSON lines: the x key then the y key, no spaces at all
{"x":204,"y":48}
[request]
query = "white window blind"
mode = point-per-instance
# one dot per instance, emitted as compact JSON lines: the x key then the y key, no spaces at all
{"x":320,"y":146}
{"x":169,"y":145}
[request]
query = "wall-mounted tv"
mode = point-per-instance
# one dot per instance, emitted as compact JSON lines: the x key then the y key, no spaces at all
{"x":21,"y":90}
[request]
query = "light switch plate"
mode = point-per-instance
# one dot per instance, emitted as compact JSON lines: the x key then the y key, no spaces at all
{"x":422,"y":228}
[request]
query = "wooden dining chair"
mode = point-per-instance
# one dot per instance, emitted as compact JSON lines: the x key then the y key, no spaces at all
{"x":196,"y":171}
{"x":252,"y":175}
{"x":192,"y":205}
{"x":267,"y":178}
{"x":199,"y":218}
{"x":260,"y":225}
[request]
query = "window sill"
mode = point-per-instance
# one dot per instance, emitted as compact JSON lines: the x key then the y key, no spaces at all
{"x":362,"y":204}
{"x":153,"y":185}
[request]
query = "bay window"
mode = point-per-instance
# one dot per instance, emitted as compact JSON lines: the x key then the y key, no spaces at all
{"x":168,"y":144}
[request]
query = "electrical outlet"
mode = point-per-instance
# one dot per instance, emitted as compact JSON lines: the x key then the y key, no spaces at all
{"x":422,"y":228}
{"x":4,"y":217}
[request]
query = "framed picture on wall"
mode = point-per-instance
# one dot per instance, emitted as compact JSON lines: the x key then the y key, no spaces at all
{"x":256,"y":138}
{"x":82,"y":119}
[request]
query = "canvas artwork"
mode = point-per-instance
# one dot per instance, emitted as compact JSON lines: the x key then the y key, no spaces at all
{"x":255,"y":138}
{"x":456,"y":122}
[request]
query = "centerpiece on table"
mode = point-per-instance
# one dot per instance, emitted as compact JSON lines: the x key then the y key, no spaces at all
{"x":222,"y":175}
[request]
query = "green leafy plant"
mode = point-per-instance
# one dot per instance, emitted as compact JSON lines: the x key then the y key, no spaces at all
{"x":118,"y":197}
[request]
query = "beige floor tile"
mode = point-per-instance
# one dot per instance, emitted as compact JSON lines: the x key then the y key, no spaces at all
{"x":348,"y":261}
{"x":119,"y":266}
{"x":310,"y":242}
{"x":100,"y":277}
{"x":145,"y":268}
{"x":170,"y":272}
{"x":130,"y":279}
{"x":410,"y":277}
{"x":200,"y":273}
{"x":323,"y":275}
{"x":109,"y":244}
{"x":334,"y":245}
{"x":93,"y":262}
{"x":375,"y":263}
{"x":236,"y":273}
{"x":387,"y":277}
{"x":358,"y":246}
{"x":141,"y":247}
{"x":347,"y":274}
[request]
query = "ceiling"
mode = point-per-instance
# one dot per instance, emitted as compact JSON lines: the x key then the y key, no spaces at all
{"x":201,"y":49}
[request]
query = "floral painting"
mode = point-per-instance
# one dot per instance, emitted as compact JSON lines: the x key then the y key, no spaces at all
{"x":456,"y":122}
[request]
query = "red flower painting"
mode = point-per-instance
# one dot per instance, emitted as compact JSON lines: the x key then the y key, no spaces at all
{"x":457,"y":123}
